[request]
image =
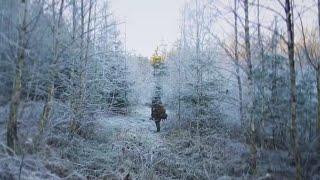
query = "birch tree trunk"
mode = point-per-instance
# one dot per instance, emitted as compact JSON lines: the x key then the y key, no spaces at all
{"x":12,"y":129}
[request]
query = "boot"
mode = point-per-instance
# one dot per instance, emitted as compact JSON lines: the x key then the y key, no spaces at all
{"x":158,"y":126}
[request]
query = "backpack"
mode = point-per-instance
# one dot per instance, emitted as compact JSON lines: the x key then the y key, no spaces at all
{"x":158,"y":112}
{"x":164,"y":116}
{"x":162,"y":112}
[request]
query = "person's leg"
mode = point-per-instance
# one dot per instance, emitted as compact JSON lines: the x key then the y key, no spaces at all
{"x":158,"y":125}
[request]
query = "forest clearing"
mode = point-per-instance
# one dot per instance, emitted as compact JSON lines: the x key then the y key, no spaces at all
{"x":160,"y":89}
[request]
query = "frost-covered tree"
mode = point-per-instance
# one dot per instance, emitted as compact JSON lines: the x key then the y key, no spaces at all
{"x":196,"y":82}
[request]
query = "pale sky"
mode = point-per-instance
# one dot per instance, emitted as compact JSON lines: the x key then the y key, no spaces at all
{"x":149,"y":23}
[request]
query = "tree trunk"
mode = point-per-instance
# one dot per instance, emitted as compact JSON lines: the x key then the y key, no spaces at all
{"x":274,"y":93}
{"x":293,"y":89}
{"x":198,"y":72}
{"x":74,"y":16}
{"x":46,"y":110}
{"x":318,"y":107}
{"x":253,"y":148}
{"x":236,"y":57}
{"x":80,"y":104}
{"x":318,"y":84}
{"x":12,"y":129}
{"x":263,"y":70}
{"x":82,"y":51}
{"x":47,"y":107}
{"x":88,"y":39}
{"x":78,"y":92}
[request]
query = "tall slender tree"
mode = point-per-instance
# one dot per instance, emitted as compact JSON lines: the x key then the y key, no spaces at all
{"x":237,"y":63}
{"x":53,"y":72}
{"x":318,"y":82}
{"x":12,"y":129}
{"x":263,"y":70}
{"x":288,"y":7}
{"x":253,"y":148}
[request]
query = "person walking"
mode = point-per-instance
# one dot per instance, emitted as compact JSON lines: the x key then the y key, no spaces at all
{"x":158,"y":112}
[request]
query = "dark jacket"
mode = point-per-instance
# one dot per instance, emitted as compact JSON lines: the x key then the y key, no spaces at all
{"x":158,"y":112}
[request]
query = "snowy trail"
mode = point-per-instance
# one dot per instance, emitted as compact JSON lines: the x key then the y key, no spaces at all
{"x":136,"y":146}
{"x":135,"y":125}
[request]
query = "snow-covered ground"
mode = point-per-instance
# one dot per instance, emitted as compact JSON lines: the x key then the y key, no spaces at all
{"x":136,"y":125}
{"x":128,"y":145}
{"x":170,"y":154}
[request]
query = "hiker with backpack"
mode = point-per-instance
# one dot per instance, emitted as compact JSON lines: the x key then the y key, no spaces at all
{"x":158,"y":112}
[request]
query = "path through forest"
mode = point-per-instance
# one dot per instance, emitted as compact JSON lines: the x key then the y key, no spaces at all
{"x":136,"y":124}
{"x":140,"y":148}
{"x":146,"y":154}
